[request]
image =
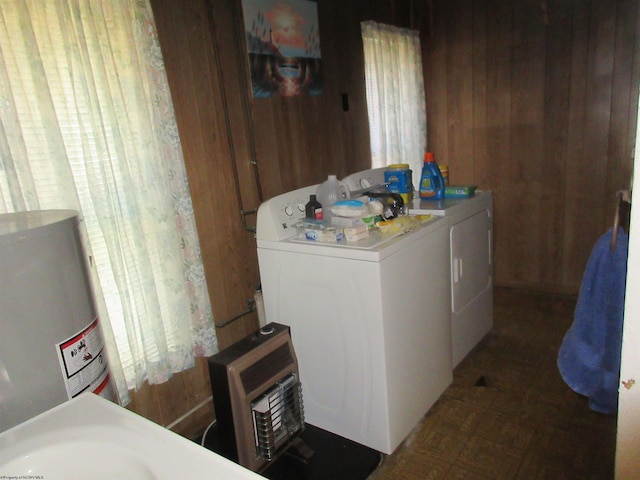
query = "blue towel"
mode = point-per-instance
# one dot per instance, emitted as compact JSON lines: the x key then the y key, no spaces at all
{"x":589,"y":358}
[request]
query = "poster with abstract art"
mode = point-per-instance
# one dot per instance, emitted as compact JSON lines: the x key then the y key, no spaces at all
{"x":283,"y":43}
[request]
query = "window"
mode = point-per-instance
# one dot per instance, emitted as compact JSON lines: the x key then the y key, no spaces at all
{"x":87,"y":123}
{"x":395,"y":96}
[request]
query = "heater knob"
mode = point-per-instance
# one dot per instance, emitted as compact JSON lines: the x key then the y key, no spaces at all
{"x":267,"y":330}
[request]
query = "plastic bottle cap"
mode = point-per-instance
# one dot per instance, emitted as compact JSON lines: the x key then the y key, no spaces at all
{"x":428,"y":157}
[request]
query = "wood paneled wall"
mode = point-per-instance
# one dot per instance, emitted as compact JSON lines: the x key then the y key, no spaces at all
{"x":534,"y":100}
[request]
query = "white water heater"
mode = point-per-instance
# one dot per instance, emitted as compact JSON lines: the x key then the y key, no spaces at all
{"x":51,"y":345}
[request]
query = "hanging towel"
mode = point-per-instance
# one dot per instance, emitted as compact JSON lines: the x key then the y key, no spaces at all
{"x":589,"y":357}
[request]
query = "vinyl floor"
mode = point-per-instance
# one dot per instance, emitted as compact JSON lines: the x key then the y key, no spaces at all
{"x":508,"y":414}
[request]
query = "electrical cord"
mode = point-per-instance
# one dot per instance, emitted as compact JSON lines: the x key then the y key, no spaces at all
{"x":204,"y":435}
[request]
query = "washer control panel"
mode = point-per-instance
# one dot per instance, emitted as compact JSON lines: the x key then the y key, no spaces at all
{"x":278,"y":216}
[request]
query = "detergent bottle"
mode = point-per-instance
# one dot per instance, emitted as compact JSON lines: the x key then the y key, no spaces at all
{"x":431,"y":181}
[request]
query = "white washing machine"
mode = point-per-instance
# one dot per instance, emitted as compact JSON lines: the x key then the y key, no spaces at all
{"x":470,"y":223}
{"x":369,"y":321}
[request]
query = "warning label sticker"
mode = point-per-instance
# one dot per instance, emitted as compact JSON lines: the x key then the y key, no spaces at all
{"x":83,"y":361}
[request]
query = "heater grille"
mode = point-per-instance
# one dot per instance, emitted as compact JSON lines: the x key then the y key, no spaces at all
{"x":277,"y":416}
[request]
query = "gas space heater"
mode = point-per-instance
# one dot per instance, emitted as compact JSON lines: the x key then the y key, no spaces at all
{"x":257,"y":397}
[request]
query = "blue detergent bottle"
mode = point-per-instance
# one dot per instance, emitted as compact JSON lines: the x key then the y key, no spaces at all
{"x":431,"y":181}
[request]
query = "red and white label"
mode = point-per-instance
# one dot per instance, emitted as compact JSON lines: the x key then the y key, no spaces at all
{"x":83,"y":362}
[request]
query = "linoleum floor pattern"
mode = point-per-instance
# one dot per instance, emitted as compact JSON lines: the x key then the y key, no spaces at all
{"x":508,"y":414}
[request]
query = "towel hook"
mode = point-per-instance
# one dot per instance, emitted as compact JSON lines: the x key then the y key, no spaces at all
{"x":621,"y":196}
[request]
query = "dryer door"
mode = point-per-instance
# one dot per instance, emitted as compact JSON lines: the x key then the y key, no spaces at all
{"x":470,"y":259}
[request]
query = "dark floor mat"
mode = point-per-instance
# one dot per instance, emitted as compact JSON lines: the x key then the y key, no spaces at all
{"x":334,"y":458}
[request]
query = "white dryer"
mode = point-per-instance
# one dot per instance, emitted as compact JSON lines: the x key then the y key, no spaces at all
{"x":470,"y":223}
{"x":369,"y":321}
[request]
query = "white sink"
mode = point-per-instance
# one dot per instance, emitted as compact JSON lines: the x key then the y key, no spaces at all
{"x":92,"y":438}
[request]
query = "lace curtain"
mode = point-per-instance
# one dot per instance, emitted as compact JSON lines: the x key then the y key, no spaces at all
{"x":395,"y":96}
{"x":87,"y":123}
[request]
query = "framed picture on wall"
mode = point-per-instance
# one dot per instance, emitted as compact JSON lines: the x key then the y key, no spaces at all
{"x":283,"y":44}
